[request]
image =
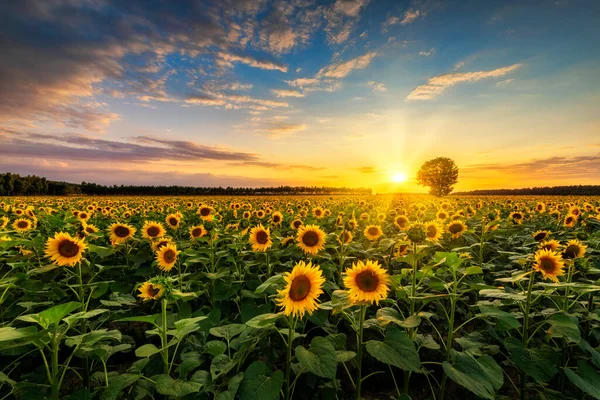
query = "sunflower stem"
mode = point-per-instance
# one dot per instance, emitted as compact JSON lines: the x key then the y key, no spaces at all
{"x":163,"y":337}
{"x":524,"y":336}
{"x":290,"y":339}
{"x":359,"y":345}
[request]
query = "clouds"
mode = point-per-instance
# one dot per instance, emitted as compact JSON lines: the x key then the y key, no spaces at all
{"x":377,"y":86}
{"x":286,"y":93}
{"x":437,"y":85}
{"x":227,"y":60}
{"x":282,"y":129}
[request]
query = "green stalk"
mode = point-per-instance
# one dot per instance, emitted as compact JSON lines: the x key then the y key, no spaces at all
{"x":55,"y":372}
{"x":524,"y":337}
{"x":450,"y":339}
{"x":288,"y":366}
{"x":268,"y":264}
{"x":163,"y":337}
{"x":413,"y":294}
{"x":359,"y":345}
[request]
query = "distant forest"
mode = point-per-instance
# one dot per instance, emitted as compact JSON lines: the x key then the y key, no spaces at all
{"x":580,"y":190}
{"x":31,"y":185}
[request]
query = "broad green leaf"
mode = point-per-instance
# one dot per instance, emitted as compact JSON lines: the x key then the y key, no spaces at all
{"x":386,"y":315}
{"x":10,"y":333}
{"x":221,"y":365}
{"x":150,"y":319}
{"x":397,"y":350}
{"x":504,"y":320}
{"x":320,"y":358}
{"x":564,"y":325}
{"x":501,"y":294}
{"x":216,"y":347}
{"x":227,"y":332}
{"x":52,"y":315}
{"x":116,"y":384}
{"x":595,"y":353}
{"x":343,"y":356}
{"x":481,"y":376}
{"x":473,"y":270}
{"x":539,"y":363}
{"x":146,"y":350}
{"x":264,"y":321}
{"x":171,"y":387}
{"x":586,"y":378}
{"x":275,"y":280}
{"x":260,"y":383}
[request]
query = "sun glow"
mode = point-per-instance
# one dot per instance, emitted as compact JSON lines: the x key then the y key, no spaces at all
{"x":399,"y":177}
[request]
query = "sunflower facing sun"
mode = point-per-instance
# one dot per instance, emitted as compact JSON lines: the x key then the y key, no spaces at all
{"x":260,"y":238}
{"x":366,"y":282}
{"x":303,"y":286}
{"x":166,"y":257}
{"x":311,"y":239}
{"x":549,"y":263}
{"x":65,"y":250}
{"x":119,"y":233}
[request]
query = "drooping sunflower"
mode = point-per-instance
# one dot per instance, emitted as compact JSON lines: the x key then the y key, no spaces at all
{"x":286,"y":241}
{"x":63,"y":249}
{"x":166,"y":257}
{"x":549,"y":263}
{"x":373,"y":232}
{"x":366,"y":282}
{"x":260,"y":238}
{"x":173,"y":220}
{"x":119,"y":233}
{"x":433,"y":231}
{"x":151,"y":291}
{"x":573,"y":249}
{"x":401,"y":221}
{"x":456,"y":228}
{"x":310,"y":238}
{"x":541,"y":235}
{"x":553,"y":245}
{"x":197,"y":232}
{"x":153,"y":230}
{"x":303,"y":287}
{"x":22,"y":225}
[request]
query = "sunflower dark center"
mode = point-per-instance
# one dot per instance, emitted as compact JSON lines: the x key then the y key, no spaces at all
{"x":153,"y":231}
{"x":89,"y":229}
{"x":153,"y":290}
{"x":22,"y":224}
{"x":196,"y":232}
{"x":569,"y":220}
{"x":68,"y":248}
{"x":276,"y":218}
{"x":401,"y":221}
{"x":540,"y":236}
{"x":547,"y":265}
{"x":169,"y":256}
{"x":122,"y":231}
{"x":297,"y":224}
{"x":455,"y":228}
{"x":83,"y":215}
{"x":517,"y":216}
{"x":373,"y":231}
{"x":571,"y":251}
{"x":300,"y":288}
{"x":205,"y":211}
{"x":310,"y":238}
{"x":367,"y":281}
{"x":431,"y":231}
{"x":345,"y":237}
{"x":262,"y":237}
{"x":173,"y":221}
{"x":161,"y":244}
{"x":317,"y":212}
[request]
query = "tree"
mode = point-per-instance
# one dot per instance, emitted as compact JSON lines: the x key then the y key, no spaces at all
{"x":439,"y":174}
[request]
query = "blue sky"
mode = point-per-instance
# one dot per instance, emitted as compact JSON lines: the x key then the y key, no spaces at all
{"x":344,"y":92}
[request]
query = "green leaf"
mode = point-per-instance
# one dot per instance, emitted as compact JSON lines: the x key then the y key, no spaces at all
{"x":481,"y":376}
{"x":320,"y":358}
{"x":397,"y":350}
{"x":585,"y":346}
{"x":10,"y":333}
{"x":5,"y":379}
{"x":564,"y":325}
{"x":586,"y":378}
{"x":275,"y":280}
{"x":52,"y":315}
{"x":216,"y":347}
{"x":171,"y":387}
{"x":386,"y":315}
{"x":150,"y":319}
{"x":343,"y":356}
{"x":227,"y":332}
{"x":116,"y":384}
{"x":501,"y":294}
{"x":146,"y":350}
{"x":263,"y":321}
{"x":451,"y":259}
{"x":260,"y":383}
{"x":474,"y":270}
{"x":538,"y":363}
{"x":221,"y":365}
{"x":504,"y":320}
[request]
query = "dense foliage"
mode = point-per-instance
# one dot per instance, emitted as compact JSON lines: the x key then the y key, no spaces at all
{"x":299,"y":297}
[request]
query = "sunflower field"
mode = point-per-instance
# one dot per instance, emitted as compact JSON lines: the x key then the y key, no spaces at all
{"x":305,"y":297}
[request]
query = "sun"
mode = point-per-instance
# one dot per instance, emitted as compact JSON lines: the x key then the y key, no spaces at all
{"x":399,"y":177}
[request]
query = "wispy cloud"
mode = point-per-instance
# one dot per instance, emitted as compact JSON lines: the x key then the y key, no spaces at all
{"x":565,"y":168}
{"x":286,"y":93}
{"x":377,"y":86}
{"x":281,"y":129}
{"x":227,"y":59}
{"x":437,"y":85}
{"x":367,"y":170}
{"x":341,"y":69}
{"x":427,"y":53}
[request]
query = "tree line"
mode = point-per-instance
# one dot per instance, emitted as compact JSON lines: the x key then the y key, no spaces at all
{"x":581,"y":190}
{"x":31,"y":185}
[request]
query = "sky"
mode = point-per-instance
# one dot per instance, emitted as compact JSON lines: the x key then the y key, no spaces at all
{"x":355,"y":93}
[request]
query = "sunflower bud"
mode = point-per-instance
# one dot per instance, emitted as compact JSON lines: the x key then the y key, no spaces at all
{"x":416,"y":233}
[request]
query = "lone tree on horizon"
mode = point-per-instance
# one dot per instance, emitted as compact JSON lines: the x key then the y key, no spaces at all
{"x":439,"y":174}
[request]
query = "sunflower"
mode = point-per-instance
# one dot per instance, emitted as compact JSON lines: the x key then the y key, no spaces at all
{"x":310,"y":239}
{"x":160,"y":243}
{"x":277,"y":218}
{"x":89,"y":228}
{"x":318,"y":212}
{"x":197,"y":232}
{"x":173,"y":220}
{"x":366,"y":282}
{"x":153,"y":230}
{"x":119,"y":233}
{"x":549,"y":263}
{"x":442,"y":215}
{"x":345,"y":237}
{"x":260,"y":238}
{"x":3,"y":222}
{"x":155,"y":289}
{"x":553,"y":245}
{"x":63,"y":249}
{"x":401,"y":221}
{"x":540,"y":207}
{"x":303,"y":287}
{"x":516,"y":217}
{"x":166,"y":257}
{"x":570,"y":220}
{"x":287,"y":241}
{"x":83,"y":216}
{"x":401,"y":250}
{"x":574,"y":249}
{"x":373,"y":232}
{"x":456,"y":228}
{"x":433,"y":231}
{"x":540,"y":236}
{"x":22,"y":225}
